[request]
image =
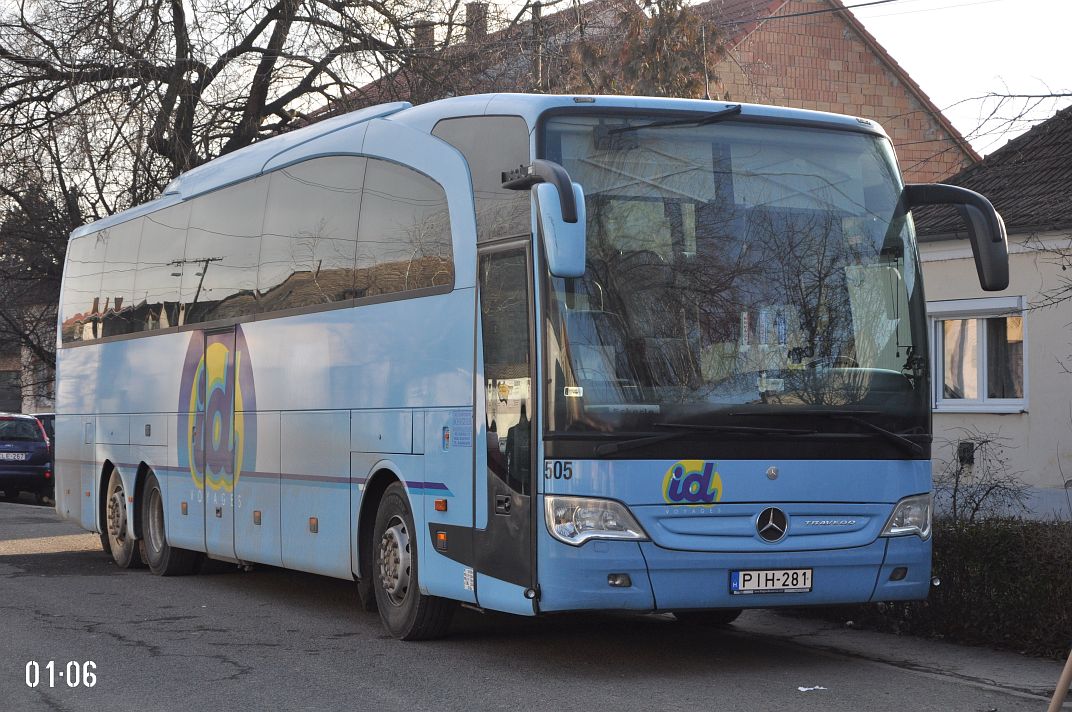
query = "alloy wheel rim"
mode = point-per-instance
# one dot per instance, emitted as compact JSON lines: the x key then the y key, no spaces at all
{"x":395,"y":561}
{"x":117,"y":516}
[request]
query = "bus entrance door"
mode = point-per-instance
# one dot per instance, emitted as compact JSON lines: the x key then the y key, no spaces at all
{"x":504,"y":548}
{"x":217,"y":441}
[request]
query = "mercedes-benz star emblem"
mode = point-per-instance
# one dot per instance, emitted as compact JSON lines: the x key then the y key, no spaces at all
{"x":772,"y":524}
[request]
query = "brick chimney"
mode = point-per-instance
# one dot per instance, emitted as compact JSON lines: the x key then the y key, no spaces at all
{"x":424,"y":36}
{"x":476,"y":21}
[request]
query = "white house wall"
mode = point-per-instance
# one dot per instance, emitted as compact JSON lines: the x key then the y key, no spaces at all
{"x":1039,"y":438}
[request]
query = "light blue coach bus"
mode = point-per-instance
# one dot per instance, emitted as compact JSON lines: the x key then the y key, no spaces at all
{"x":528,"y":353}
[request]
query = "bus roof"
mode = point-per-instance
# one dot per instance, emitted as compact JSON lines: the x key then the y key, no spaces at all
{"x":251,"y":160}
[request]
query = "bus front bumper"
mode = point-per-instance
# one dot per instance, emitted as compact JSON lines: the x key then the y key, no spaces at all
{"x":579,"y":578}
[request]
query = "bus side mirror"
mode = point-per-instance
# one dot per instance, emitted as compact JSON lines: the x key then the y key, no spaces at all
{"x":560,"y":213}
{"x":563,"y":242}
{"x":986,"y":229}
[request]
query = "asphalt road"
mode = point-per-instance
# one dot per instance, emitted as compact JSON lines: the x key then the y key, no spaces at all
{"x":271,"y":639}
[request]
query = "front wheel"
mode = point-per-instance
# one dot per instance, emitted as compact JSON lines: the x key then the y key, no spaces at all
{"x":123,"y":548}
{"x":406,"y":612}
{"x":715,"y":617}
{"x":163,"y":559}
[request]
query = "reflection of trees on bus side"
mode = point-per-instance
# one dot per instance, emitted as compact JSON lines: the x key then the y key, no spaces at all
{"x":311,"y":251}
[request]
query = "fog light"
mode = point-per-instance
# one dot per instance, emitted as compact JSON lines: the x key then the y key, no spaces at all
{"x":619,"y":580}
{"x":936,"y":582}
{"x":899,"y":573}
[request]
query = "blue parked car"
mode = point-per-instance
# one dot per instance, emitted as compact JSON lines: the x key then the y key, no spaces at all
{"x":25,"y":460}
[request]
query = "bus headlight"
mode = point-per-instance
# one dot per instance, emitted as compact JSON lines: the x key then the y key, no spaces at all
{"x":575,"y":520}
{"x":912,"y":515}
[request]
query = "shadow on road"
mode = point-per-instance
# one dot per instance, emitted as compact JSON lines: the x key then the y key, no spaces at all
{"x":27,"y":498}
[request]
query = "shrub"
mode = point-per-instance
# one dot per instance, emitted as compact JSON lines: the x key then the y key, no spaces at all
{"x":1004,"y":582}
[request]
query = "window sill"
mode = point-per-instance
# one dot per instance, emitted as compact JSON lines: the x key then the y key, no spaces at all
{"x":1000,"y":409}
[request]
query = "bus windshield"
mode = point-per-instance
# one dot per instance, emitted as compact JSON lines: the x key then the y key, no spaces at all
{"x":733,"y":268}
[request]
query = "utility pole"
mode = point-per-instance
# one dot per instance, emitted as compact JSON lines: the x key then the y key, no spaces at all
{"x":204,"y":268}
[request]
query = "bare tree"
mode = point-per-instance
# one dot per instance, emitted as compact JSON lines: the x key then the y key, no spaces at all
{"x":154,"y":87}
{"x":660,"y":48}
{"x":975,"y":479}
{"x":33,"y":237}
{"x":102,"y":104}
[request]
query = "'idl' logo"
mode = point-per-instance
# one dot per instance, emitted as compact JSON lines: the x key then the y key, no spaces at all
{"x":692,"y":482}
{"x":217,"y":424}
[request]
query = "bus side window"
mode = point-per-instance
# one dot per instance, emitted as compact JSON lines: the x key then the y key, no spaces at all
{"x":219,"y":275}
{"x":117,"y":279}
{"x":499,"y":212}
{"x":81,"y":288}
{"x":160,"y":267}
{"x":310,"y":233}
{"x":404,"y":235}
{"x":504,"y":313}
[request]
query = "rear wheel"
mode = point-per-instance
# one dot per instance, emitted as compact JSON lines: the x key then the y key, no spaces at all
{"x":163,"y":559}
{"x":123,"y":548}
{"x":717,"y":617}
{"x":406,"y":612}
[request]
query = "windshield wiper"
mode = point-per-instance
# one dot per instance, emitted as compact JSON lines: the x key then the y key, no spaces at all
{"x":694,"y":121}
{"x":852,"y":417}
{"x":682,"y":429}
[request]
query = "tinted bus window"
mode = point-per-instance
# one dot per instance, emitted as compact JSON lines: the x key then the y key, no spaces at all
{"x":117,"y":278}
{"x":81,"y":288}
{"x":499,"y":212}
{"x":404,"y":236}
{"x":160,"y":267}
{"x":219,"y":275}
{"x":310,"y":234}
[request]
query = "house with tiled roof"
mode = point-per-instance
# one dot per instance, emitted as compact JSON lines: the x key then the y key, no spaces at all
{"x":810,"y":54}
{"x":1002,"y":361}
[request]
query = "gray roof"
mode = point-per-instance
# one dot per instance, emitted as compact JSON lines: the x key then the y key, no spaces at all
{"x":1029,"y":181}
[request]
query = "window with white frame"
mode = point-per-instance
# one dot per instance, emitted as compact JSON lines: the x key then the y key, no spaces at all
{"x":978,"y":355}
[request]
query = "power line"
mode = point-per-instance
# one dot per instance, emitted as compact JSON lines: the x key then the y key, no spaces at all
{"x":935,"y":9}
{"x":809,"y":12}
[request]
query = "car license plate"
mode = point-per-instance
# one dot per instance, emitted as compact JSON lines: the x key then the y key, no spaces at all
{"x":12,"y":456}
{"x":770,"y":581}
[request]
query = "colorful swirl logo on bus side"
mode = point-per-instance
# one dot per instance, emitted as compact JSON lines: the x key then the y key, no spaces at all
{"x":692,"y":482}
{"x":217,"y":391}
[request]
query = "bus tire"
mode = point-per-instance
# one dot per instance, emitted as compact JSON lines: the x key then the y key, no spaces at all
{"x":162,"y":558}
{"x":123,"y":548}
{"x":711,"y":618}
{"x":406,"y":613}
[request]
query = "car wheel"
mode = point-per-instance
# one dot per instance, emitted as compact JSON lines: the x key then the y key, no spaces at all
{"x":162,"y":558}
{"x":123,"y":548}
{"x":715,"y":617}
{"x":406,"y":612}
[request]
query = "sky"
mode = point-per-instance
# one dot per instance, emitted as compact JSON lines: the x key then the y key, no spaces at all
{"x":958,"y":50}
